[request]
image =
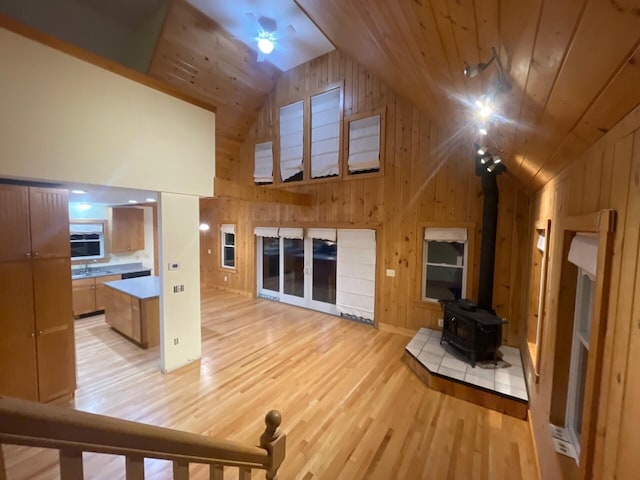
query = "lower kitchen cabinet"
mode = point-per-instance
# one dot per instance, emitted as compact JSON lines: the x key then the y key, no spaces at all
{"x":135,"y":318}
{"x":88,"y":294}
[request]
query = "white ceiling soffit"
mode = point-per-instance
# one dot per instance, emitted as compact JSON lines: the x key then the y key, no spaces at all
{"x":305,"y":44}
{"x":105,"y":195}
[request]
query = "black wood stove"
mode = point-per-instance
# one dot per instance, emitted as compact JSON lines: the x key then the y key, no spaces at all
{"x":476,"y":333}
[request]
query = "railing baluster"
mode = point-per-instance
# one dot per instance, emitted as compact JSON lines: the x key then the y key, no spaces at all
{"x":245,"y":473}
{"x":216,"y":472}
{"x":3,"y":473}
{"x":135,"y":467}
{"x":71,"y":465}
{"x":180,"y":470}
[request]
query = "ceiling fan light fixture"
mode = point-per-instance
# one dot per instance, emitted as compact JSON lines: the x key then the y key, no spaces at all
{"x":265,"y":45}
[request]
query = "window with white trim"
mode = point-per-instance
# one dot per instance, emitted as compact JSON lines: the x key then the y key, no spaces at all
{"x":325,"y":134}
{"x":364,"y":145}
{"x":291,"y":141}
{"x":444,"y":269}
{"x":579,"y":357}
{"x":228,"y":232}
{"x":263,"y":171}
{"x":584,"y":254}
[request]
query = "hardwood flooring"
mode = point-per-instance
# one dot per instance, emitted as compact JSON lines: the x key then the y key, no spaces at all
{"x":351,"y":408}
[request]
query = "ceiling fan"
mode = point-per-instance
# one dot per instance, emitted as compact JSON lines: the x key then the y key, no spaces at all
{"x":268,"y":37}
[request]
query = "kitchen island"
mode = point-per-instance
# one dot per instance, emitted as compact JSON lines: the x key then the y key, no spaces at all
{"x":132,"y":307}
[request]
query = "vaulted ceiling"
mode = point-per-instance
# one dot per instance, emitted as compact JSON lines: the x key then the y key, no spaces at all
{"x":574,"y":67}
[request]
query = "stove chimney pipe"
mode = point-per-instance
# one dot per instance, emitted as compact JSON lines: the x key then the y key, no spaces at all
{"x":488,"y":243}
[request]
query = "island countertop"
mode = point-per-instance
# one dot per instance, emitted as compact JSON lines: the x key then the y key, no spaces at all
{"x":141,"y":287}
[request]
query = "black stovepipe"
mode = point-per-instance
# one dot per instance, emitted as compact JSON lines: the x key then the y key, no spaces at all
{"x":488,"y":243}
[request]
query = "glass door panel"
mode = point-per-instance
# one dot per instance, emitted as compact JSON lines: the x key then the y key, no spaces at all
{"x":293,"y":267}
{"x":323,"y":287}
{"x":271,"y":264}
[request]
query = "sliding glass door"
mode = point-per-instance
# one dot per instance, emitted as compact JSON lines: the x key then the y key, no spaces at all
{"x":298,"y":271}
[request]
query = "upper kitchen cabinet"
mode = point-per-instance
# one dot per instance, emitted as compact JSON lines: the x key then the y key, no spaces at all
{"x":39,"y":220}
{"x":15,"y":240}
{"x":127,"y":229}
{"x":49,"y":235}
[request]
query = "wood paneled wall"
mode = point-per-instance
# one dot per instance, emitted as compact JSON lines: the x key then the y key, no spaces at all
{"x":428,"y":177}
{"x":607,"y":175}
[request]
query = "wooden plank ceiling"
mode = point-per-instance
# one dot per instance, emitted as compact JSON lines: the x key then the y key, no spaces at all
{"x":198,"y":56}
{"x":574,"y":66}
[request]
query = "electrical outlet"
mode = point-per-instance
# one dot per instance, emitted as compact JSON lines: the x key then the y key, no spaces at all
{"x":440,"y":322}
{"x":391,"y":273}
{"x":176,"y":341}
{"x":225,"y":278}
{"x":208,"y":251}
{"x":178,"y":288}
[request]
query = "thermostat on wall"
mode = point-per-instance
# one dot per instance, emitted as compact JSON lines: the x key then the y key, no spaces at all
{"x":174,"y":266}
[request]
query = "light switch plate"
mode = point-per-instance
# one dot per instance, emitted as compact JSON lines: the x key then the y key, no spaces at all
{"x":391,"y":272}
{"x":174,"y":266}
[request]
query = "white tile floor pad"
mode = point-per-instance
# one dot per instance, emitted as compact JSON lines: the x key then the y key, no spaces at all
{"x":446,"y":361}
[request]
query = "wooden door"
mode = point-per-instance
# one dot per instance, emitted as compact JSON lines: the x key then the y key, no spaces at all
{"x":54,"y":327}
{"x":100,"y":289}
{"x":18,"y":374}
{"x":127,"y":233}
{"x":15,"y":241}
{"x":84,"y":296}
{"x":49,"y":212}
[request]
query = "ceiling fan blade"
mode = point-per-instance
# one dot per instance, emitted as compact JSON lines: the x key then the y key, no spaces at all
{"x":252,"y":16}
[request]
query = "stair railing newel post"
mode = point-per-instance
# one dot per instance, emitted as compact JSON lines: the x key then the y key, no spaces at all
{"x":273,"y":441}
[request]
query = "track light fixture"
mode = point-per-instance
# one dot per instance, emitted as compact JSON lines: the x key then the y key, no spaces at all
{"x":486,"y":163}
{"x":471,"y":71}
{"x":502,"y":85}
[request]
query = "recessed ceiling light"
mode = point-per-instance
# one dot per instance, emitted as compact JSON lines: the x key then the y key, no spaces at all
{"x":482,"y":150}
{"x":204,"y":227}
{"x":151,"y":199}
{"x":79,"y":192}
{"x":84,"y":206}
{"x":133,"y":201}
{"x":483,"y":131}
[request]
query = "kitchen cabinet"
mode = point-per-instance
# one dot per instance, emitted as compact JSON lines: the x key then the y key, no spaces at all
{"x":127,"y":229}
{"x":37,"y":349}
{"x":88,"y":294}
{"x":133,"y":309}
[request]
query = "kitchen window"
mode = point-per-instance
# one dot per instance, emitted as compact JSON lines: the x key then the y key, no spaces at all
{"x":444,"y":272}
{"x":87,"y":241}
{"x":228,"y":232}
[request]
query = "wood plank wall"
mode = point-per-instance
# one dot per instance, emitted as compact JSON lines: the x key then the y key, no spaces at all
{"x":428,"y":177}
{"x":607,"y":175}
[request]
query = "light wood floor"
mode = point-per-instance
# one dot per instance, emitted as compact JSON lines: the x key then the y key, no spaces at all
{"x":351,"y":408}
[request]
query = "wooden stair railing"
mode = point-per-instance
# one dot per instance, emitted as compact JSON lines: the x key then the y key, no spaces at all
{"x":73,"y":432}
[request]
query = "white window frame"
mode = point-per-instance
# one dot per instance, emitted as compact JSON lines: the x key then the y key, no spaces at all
{"x":426,"y":263}
{"x":96,"y":227}
{"x":580,"y":339}
{"x":227,"y":229}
